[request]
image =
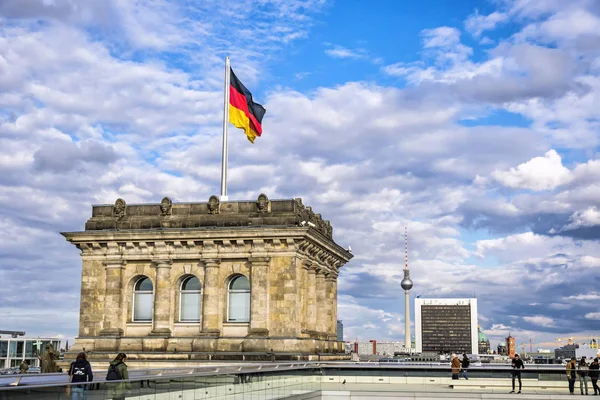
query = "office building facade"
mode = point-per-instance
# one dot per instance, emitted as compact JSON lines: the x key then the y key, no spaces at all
{"x":446,"y":326}
{"x":13,"y":351}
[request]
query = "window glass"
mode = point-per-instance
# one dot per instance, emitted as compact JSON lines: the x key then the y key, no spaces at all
{"x":142,"y":300}
{"x":239,"y":299}
{"x":190,"y":299}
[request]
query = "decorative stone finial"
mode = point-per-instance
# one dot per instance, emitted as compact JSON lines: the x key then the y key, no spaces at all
{"x":166,"y":206}
{"x":119,"y":209}
{"x":263,"y":204}
{"x":213,"y":204}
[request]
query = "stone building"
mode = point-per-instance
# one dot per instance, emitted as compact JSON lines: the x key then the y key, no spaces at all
{"x":198,"y":280}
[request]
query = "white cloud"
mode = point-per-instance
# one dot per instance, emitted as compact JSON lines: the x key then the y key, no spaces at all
{"x":539,"y":173}
{"x":540,"y":320}
{"x":594,"y":315}
{"x":588,"y":217}
{"x":477,"y":23}
{"x":342,"y":52}
{"x":585,"y":297}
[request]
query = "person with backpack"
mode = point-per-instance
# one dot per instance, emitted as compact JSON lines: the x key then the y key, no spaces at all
{"x":80,"y":371}
{"x":117,"y":371}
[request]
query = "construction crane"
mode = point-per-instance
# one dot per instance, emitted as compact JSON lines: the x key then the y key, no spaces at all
{"x":543,"y":344}
{"x":14,"y":334}
{"x":593,"y":342}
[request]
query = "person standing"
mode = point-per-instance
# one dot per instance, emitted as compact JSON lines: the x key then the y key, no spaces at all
{"x":464,"y":363}
{"x":80,"y":371}
{"x":118,"y":371}
{"x":24,"y":367}
{"x":517,"y":365}
{"x":582,"y":371}
{"x":455,"y":366}
{"x":594,"y":372}
{"x":571,"y":374}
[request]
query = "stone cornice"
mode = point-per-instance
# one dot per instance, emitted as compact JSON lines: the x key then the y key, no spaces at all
{"x":215,"y":243}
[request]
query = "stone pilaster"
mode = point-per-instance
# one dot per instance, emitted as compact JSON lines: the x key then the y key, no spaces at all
{"x":331,"y":291}
{"x":302,"y":269}
{"x":113,"y":295}
{"x":210,"y":300}
{"x":321,"y":305}
{"x":311,"y":300}
{"x":161,"y":321}
{"x":259,"y":296}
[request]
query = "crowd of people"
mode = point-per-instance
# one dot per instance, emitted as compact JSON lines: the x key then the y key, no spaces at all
{"x":574,"y":370}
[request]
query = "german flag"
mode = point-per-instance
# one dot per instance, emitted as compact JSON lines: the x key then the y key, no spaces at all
{"x":244,"y":113}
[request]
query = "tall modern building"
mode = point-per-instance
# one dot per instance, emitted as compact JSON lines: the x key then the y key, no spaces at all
{"x":446,"y":326}
{"x":340,"y":331}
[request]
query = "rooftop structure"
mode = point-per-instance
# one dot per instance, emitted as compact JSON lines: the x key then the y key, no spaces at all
{"x":188,"y":279}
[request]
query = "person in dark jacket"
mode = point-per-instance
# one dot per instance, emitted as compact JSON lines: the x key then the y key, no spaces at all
{"x":572,"y":374}
{"x":594,"y":372}
{"x":582,"y":371}
{"x":517,"y":365}
{"x":80,"y":371}
{"x":464,"y":364}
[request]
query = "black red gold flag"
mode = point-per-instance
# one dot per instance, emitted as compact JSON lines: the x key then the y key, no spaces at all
{"x":244,"y":113}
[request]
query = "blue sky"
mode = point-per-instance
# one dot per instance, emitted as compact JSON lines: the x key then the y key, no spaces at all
{"x":474,"y":123}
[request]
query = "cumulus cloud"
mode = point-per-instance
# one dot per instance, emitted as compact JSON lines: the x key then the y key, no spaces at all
{"x":588,"y":217}
{"x":539,"y":173}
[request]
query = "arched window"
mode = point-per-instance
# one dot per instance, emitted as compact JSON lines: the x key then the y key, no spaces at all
{"x":190,"y":300}
{"x":239,"y":299}
{"x":142,"y":299}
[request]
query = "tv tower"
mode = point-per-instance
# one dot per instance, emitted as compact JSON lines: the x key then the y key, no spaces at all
{"x":406,"y":284}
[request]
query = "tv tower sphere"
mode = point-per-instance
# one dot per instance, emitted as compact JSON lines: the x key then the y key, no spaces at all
{"x":406,"y":283}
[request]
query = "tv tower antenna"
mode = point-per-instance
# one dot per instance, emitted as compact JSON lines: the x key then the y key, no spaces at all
{"x":406,"y":284}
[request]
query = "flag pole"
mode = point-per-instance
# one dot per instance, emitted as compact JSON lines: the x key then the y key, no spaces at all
{"x":224,"y":196}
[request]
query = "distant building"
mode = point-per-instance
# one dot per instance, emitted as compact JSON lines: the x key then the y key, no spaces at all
{"x":483,"y":343}
{"x":566,"y":352}
{"x":340,"y":331}
{"x":14,"y":350}
{"x":501,"y":349}
{"x":445,"y":326}
{"x":510,"y":346}
{"x":382,"y":348}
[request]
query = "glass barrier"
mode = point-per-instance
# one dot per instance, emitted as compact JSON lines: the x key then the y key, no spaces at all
{"x":255,"y":382}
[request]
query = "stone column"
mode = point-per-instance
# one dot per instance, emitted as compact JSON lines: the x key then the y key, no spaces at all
{"x":113,"y":293}
{"x":161,"y":321}
{"x":331,"y":290}
{"x":321,"y":306}
{"x":311,"y":301}
{"x":259,"y":296}
{"x":210,"y":298}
